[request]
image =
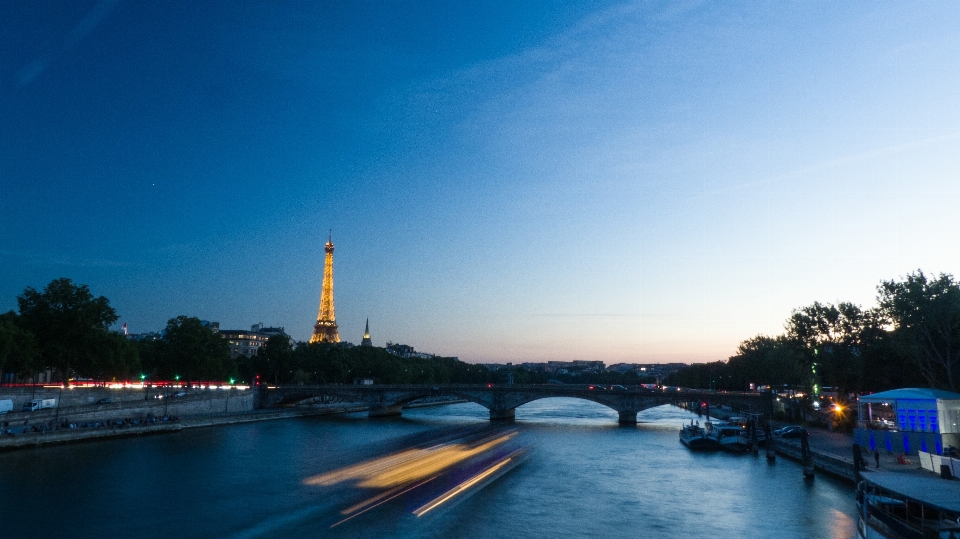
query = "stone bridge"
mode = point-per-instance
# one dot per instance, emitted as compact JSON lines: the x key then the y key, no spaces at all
{"x":503,"y":400}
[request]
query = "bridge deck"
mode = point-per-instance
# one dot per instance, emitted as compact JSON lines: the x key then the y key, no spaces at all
{"x":502,"y":400}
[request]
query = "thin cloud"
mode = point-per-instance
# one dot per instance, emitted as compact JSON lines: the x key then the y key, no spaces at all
{"x":833,"y":163}
{"x":90,"y":21}
{"x":44,"y":259}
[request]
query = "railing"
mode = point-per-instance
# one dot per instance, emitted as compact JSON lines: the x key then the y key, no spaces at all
{"x":530,"y":387}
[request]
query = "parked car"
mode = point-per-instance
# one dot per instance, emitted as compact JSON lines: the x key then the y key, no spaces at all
{"x":105,"y":400}
{"x":792,"y":431}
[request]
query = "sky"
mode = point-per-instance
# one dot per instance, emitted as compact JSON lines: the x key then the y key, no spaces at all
{"x":634,"y":182}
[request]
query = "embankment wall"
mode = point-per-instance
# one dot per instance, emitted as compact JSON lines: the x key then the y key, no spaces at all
{"x":196,"y":402}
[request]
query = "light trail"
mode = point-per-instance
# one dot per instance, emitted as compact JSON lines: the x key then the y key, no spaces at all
{"x":401,"y":493}
{"x":406,"y":466}
{"x":430,"y":464}
{"x":446,"y":496}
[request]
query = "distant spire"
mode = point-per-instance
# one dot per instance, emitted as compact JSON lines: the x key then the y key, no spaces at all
{"x":366,"y":336}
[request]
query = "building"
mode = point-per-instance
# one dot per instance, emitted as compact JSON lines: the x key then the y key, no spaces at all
{"x":325,"y":330}
{"x":247,"y":343}
{"x":406,"y":351}
{"x":908,"y":420}
{"x":653,"y":370}
{"x":572,"y":367}
{"x":258,"y":328}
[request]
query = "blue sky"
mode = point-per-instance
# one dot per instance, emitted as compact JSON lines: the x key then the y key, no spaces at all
{"x":505,"y":181}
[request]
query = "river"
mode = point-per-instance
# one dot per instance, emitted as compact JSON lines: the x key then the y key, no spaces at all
{"x":580,"y":475}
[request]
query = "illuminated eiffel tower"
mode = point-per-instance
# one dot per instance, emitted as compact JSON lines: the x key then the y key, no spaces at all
{"x":325,"y":330}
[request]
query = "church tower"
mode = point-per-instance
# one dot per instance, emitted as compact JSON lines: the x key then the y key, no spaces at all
{"x":366,"y":336}
{"x":325,"y":330}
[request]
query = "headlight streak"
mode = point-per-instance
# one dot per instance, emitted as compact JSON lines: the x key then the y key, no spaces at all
{"x":436,"y":502}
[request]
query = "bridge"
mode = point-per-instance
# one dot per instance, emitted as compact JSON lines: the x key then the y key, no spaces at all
{"x":503,"y":400}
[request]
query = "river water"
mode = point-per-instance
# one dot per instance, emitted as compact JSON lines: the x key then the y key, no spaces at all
{"x":579,"y":475}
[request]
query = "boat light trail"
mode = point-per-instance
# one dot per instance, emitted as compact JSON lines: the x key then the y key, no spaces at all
{"x":371,"y":500}
{"x":407,"y":466}
{"x":436,"y":502}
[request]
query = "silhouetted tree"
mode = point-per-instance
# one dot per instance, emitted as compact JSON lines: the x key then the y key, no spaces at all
{"x":18,"y":348}
{"x":926,"y":317}
{"x":195,"y":352}
{"x":68,"y":323}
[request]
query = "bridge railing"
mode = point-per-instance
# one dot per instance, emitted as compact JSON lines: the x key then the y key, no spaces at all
{"x":692,"y":393}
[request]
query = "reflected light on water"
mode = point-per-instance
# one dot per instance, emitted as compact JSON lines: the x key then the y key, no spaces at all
{"x":840,"y":524}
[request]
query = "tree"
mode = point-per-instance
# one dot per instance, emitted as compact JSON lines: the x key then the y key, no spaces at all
{"x":274,"y":360}
{"x":67,"y":322}
{"x":18,"y":348}
{"x":925,"y":314}
{"x":115,"y":357}
{"x":833,"y":337}
{"x":763,"y":360}
{"x":195,"y":352}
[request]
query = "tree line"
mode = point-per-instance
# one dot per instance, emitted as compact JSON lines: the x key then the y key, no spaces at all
{"x":64,"y":328}
{"x":911,"y":338}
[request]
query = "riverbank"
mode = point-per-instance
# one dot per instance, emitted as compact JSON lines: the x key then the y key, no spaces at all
{"x":23,"y":437}
{"x":68,"y":435}
{"x":832,"y":451}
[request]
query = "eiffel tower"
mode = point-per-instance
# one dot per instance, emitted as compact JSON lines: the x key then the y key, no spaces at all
{"x":325,"y":330}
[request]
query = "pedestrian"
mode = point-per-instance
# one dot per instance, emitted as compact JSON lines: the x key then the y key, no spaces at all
{"x":876,"y":456}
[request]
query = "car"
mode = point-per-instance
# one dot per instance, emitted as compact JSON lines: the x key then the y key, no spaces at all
{"x":617,"y":388}
{"x":105,"y":400}
{"x":791,"y":431}
{"x":596,"y":386}
{"x":179,"y":394}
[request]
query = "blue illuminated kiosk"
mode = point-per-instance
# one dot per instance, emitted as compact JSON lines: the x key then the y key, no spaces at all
{"x":909,"y":420}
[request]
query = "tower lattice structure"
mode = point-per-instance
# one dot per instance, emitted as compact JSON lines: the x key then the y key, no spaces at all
{"x":325,"y":330}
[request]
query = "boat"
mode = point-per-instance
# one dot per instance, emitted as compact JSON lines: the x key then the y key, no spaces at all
{"x":899,"y":505}
{"x":694,"y":437}
{"x":728,"y":437}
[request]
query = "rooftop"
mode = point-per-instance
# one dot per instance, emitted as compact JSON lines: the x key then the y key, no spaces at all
{"x":910,"y":393}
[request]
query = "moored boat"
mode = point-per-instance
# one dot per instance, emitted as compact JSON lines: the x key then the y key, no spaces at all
{"x":728,"y":437}
{"x":894,"y":505}
{"x":694,"y":437}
